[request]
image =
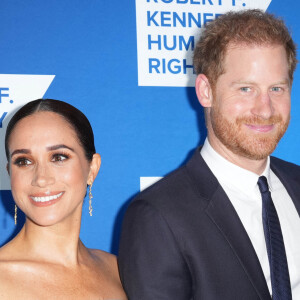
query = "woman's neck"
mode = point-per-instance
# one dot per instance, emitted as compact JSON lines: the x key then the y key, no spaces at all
{"x":58,"y":244}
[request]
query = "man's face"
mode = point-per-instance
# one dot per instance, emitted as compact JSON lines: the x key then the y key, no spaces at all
{"x":250,"y":109}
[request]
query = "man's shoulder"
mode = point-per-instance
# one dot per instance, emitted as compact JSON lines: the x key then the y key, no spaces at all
{"x":181,"y":187}
{"x":174,"y":196}
{"x":176,"y":180}
{"x":281,"y":165}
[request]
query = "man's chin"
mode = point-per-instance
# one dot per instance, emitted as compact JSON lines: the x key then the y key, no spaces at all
{"x":256,"y":155}
{"x":255,"y":150}
{"x":255,"y":142}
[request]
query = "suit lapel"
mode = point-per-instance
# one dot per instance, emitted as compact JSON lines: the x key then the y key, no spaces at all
{"x":289,"y":179}
{"x":224,"y":216}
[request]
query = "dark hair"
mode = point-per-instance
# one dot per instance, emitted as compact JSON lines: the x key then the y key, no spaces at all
{"x":249,"y":27}
{"x":72,"y":115}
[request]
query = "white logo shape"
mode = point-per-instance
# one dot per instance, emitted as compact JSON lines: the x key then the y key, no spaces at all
{"x":147,"y":181}
{"x":167,"y":31}
{"x":15,"y":91}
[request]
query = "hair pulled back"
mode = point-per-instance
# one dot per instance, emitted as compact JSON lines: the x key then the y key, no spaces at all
{"x":72,"y":115}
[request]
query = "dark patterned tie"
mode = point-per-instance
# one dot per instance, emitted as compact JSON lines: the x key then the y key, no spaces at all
{"x":280,"y":279}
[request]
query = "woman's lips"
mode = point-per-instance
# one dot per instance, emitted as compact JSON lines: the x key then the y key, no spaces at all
{"x":40,"y":200}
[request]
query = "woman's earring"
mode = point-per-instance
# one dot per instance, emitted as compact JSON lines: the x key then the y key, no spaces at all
{"x":16,"y":214}
{"x":90,"y":199}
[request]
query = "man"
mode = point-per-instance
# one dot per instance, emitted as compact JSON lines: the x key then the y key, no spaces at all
{"x":206,"y":231}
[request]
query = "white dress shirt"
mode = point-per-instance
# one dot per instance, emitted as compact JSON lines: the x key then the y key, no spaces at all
{"x":241,"y":187}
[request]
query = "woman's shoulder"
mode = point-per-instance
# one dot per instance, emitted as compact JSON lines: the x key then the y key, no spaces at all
{"x":107,"y":267}
{"x":105,"y":261}
{"x":8,"y":267}
{"x":103,"y":255}
{"x":7,"y":257}
{"x":11,"y":263}
{"x":10,"y":255}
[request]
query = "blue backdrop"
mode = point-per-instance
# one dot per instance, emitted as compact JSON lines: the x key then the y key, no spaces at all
{"x":91,"y":49}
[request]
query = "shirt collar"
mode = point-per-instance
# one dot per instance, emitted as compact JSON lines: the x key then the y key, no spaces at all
{"x":231,"y":174}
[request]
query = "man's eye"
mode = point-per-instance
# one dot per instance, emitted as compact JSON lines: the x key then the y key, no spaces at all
{"x":20,"y":162}
{"x":59,"y":157}
{"x":245,"y":89}
{"x":276,"y":89}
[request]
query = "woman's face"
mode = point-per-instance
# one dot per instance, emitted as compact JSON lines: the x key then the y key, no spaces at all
{"x":48,"y":168}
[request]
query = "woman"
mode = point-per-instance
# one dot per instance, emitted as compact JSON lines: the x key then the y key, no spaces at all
{"x":51,"y":159}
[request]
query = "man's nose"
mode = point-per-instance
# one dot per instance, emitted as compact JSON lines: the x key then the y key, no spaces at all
{"x":262,"y":106}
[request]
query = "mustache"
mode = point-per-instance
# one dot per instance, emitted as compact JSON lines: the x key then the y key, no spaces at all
{"x":255,"y":120}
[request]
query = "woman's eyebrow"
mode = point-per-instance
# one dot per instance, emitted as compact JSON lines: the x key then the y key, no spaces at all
{"x":50,"y":148}
{"x":59,"y":146}
{"x":20,"y":151}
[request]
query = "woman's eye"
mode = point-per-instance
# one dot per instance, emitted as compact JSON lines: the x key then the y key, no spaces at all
{"x":59,"y":157}
{"x":20,"y":162}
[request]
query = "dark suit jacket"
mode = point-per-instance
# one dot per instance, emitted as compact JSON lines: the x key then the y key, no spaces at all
{"x":182,"y":239}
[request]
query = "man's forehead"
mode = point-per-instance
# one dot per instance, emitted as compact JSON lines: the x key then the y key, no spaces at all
{"x":251,"y":46}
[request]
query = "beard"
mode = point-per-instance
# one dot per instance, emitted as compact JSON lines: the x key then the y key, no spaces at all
{"x":255,"y":146}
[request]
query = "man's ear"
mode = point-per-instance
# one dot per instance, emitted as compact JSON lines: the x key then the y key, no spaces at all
{"x":94,"y":168}
{"x":203,"y":90}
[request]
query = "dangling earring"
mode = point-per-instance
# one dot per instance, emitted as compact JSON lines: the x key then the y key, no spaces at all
{"x":90,"y":199}
{"x":16,"y":214}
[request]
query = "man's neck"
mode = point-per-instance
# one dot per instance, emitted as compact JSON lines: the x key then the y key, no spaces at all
{"x":255,"y":166}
